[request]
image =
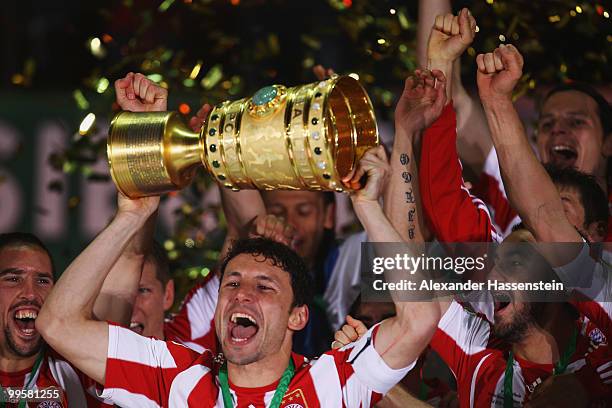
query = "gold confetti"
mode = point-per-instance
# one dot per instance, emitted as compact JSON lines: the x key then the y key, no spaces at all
{"x":87,"y":123}
{"x":169,"y":245}
{"x":196,"y":70}
{"x":102,"y":85}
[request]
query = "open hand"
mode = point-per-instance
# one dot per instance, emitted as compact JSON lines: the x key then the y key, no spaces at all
{"x":197,"y":121}
{"x":421,"y":102}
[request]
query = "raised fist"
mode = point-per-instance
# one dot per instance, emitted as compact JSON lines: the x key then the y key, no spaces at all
{"x":498,"y":72}
{"x":274,"y":228}
{"x":321,"y":72}
{"x":450,"y":36}
{"x":137,"y":93}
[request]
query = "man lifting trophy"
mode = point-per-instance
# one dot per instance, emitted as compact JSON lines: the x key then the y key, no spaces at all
{"x":307,"y":137}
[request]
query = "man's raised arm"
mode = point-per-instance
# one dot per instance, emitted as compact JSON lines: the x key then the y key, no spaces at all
{"x":529,"y":188}
{"x":419,"y":106}
{"x":400,"y":339}
{"x":118,"y":294}
{"x":134,"y":93}
{"x":66,"y":320}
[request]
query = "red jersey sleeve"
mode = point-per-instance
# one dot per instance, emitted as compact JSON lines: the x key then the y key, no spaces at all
{"x":140,"y":371}
{"x":590,"y":280}
{"x":461,"y":340}
{"x":490,"y":188}
{"x":362,"y":374}
{"x":452,"y":212}
{"x":596,"y":375}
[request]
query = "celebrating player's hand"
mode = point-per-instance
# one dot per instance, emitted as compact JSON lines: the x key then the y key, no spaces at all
{"x":350,"y":332}
{"x":137,"y":93}
{"x":498,"y":72}
{"x":322,"y":73}
{"x":272,"y":227}
{"x":197,"y":121}
{"x":375,"y":165}
{"x":421,"y":102}
{"x":450,"y":36}
{"x":141,"y":208}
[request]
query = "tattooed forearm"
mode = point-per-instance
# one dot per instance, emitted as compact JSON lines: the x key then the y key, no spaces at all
{"x":402,"y":201}
{"x":411,"y":213}
{"x":404,"y":160}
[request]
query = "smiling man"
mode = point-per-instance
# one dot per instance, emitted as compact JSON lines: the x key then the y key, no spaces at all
{"x":26,"y":277}
{"x":574,"y":129}
{"x":26,"y":363}
{"x":263,"y":290}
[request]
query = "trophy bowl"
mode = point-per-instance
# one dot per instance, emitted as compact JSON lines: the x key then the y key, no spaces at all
{"x":303,"y":138}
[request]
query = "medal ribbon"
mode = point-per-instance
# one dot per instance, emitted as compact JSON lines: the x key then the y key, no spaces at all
{"x":22,"y":403}
{"x":560,"y":368}
{"x":283,"y":385}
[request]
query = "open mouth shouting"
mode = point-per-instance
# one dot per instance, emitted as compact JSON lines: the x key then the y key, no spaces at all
{"x":502,"y":301}
{"x":242,"y":328}
{"x":563,"y":153}
{"x":24,"y":318}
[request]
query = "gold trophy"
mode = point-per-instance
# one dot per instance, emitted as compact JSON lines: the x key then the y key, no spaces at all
{"x":303,"y":138}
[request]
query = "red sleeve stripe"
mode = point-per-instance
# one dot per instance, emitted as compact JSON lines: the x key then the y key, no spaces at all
{"x":475,"y":378}
{"x":201,"y":308}
{"x":138,"y":349}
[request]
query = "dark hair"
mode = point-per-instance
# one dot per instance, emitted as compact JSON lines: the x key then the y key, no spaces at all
{"x":592,"y":197}
{"x":158,"y":256}
{"x":604,"y":110}
{"x":17,"y":239}
{"x":280,"y":256}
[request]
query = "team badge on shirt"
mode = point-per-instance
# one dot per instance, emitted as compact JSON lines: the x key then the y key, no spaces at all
{"x":49,"y":404}
{"x":597,"y":337}
{"x":294,"y":399}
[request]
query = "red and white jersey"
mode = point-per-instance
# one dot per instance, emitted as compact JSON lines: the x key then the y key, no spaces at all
{"x":453,"y":213}
{"x":194,"y":324}
{"x":591,"y":281}
{"x":78,"y":390}
{"x":143,"y":372}
{"x":464,"y":342}
{"x":490,"y":189}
